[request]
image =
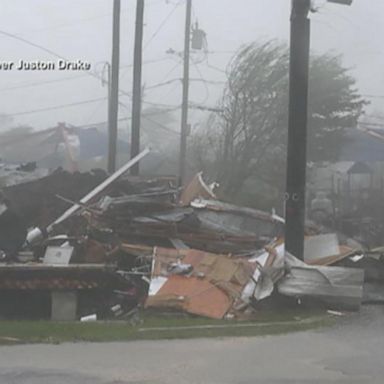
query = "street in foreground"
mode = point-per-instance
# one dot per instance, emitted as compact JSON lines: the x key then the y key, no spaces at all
{"x":349,"y":352}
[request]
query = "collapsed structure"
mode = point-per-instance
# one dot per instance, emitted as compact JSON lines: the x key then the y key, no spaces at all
{"x":111,"y":245}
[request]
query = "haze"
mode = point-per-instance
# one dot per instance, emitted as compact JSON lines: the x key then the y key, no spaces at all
{"x":82,"y":29}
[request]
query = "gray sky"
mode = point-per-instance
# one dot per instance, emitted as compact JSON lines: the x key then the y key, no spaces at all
{"x":81,"y":29}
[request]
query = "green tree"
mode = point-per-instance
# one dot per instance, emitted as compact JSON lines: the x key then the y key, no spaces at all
{"x":247,"y":140}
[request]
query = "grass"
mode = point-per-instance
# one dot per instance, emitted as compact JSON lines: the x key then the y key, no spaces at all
{"x":155,"y":327}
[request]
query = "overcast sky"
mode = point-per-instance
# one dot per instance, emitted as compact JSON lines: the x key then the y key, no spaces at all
{"x":81,"y":29}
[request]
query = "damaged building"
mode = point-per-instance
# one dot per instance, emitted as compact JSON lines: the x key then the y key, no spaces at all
{"x":95,"y":246}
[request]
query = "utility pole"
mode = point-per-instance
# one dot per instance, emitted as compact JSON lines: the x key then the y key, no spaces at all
{"x":297,"y":128}
{"x":113,"y":109}
{"x":136,"y":101}
{"x":184,"y":107}
{"x":107,"y":82}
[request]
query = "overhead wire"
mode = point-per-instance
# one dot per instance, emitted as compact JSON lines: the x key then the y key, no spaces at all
{"x":374,"y":96}
{"x":95,"y":75}
{"x":64,"y":25}
{"x":162,"y":126}
{"x":163,"y":79}
{"x":355,"y":26}
{"x":162,"y":24}
{"x":39,"y":83}
{"x":62,"y":57}
{"x":162,"y":84}
{"x":343,"y":17}
{"x":171,"y":81}
{"x":207,"y":94}
{"x":372,"y":124}
{"x":22,"y":39}
{"x":95,"y":110}
{"x":57,"y":107}
{"x":54,"y":54}
{"x":86,"y":19}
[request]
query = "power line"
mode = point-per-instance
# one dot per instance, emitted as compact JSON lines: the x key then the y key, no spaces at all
{"x":161,"y":25}
{"x":161,"y":105}
{"x":203,"y":80}
{"x":22,"y":39}
{"x":95,"y":110}
{"x":221,"y":52}
{"x":162,"y":84}
{"x":165,"y":83}
{"x":81,"y":21}
{"x":162,"y":126}
{"x":207,"y":64}
{"x":165,"y":108}
{"x":204,"y":108}
{"x":52,"y":53}
{"x":170,"y":91}
{"x":372,"y":133}
{"x":212,"y":82}
{"x":160,"y":112}
{"x":372,"y":125}
{"x":45,"y":50}
{"x":61,"y":57}
{"x":376,"y":117}
{"x":144,"y":115}
{"x":170,"y":71}
{"x":374,"y":96}
{"x":86,"y":72}
{"x":57,"y":107}
{"x":343,"y":17}
{"x":105,"y":122}
{"x":123,"y":73}
{"x":39,"y":83}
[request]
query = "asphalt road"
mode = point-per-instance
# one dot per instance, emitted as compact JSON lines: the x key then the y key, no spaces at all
{"x":350,"y":352}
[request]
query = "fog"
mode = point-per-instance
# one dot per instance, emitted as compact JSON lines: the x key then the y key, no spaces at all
{"x":82,"y":30}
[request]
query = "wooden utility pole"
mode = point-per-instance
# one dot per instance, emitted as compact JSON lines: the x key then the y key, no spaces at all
{"x":184,"y":106}
{"x":113,"y":109}
{"x":108,"y":83}
{"x":137,"y":69}
{"x":297,"y":129}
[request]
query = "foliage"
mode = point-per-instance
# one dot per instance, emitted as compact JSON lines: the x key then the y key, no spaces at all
{"x":248,"y":138}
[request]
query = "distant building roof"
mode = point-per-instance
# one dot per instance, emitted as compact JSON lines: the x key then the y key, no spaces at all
{"x":359,"y":169}
{"x":363,"y":146}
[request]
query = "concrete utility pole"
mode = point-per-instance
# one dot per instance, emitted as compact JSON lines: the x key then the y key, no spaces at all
{"x":136,"y":101}
{"x":184,"y":107}
{"x":297,"y":128}
{"x":113,"y":109}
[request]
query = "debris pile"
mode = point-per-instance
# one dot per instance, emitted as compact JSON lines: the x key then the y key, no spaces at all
{"x":128,"y":243}
{"x":197,"y":282}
